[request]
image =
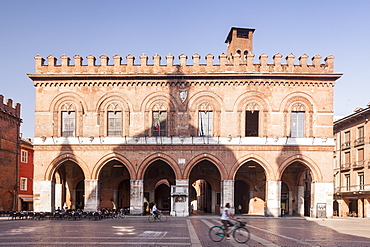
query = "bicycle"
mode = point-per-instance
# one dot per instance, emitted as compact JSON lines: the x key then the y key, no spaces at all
{"x":161,"y":217}
{"x":239,"y":232}
{"x":119,"y":215}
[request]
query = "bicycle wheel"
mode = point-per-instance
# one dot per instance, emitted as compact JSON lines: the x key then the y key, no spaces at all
{"x":162,"y":217}
{"x":216,"y":233}
{"x":241,"y":235}
{"x":151,"y":218}
{"x":122,"y":216}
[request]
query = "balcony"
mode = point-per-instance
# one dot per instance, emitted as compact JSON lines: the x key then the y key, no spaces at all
{"x":346,"y":145}
{"x":345,"y":166}
{"x":359,"y":164}
{"x":354,"y":189}
{"x":360,"y":141}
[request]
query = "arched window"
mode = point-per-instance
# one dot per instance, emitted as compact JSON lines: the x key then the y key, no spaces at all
{"x":205,"y":115}
{"x":297,"y":120}
{"x":159,"y":120}
{"x":114,"y":119}
{"x":245,"y":55}
{"x":68,"y":119}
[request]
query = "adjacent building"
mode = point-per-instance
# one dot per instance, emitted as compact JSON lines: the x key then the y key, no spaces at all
{"x":177,"y":132}
{"x":352,"y":164}
{"x":10,"y":122}
{"x":25,"y":175}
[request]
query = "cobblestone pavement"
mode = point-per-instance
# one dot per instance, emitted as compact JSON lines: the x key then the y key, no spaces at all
{"x":187,"y":231}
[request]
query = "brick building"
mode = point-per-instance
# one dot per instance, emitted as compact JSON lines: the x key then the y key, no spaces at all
{"x":25,"y":175}
{"x":10,"y":122}
{"x":352,"y":164}
{"x":258,"y":135}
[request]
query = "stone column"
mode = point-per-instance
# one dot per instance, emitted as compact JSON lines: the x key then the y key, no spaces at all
{"x":290,"y":203}
{"x":273,"y":207}
{"x":137,"y":197}
{"x":92,"y":195}
{"x":367,"y":207}
{"x":251,"y":203}
{"x":227,"y":194}
{"x":300,"y":200}
{"x":322,"y":193}
{"x":58,"y":196}
{"x":213,"y":207}
{"x":44,"y":196}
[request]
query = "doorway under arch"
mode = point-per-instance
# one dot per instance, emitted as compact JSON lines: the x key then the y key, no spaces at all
{"x":296,"y":189}
{"x":250,"y":188}
{"x":114,"y":185}
{"x":68,"y":181}
{"x":158,"y":178}
{"x":205,"y":187}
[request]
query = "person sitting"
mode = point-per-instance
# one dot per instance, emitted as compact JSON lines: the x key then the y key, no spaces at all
{"x":225,"y":219}
{"x":155,"y":210}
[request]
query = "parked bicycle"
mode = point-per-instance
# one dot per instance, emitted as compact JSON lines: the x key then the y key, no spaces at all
{"x":119,"y":214}
{"x":161,"y":217}
{"x":239,"y":232}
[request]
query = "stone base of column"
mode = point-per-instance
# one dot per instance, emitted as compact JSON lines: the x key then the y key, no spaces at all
{"x":43,"y":196}
{"x":273,"y":207}
{"x":137,"y":197}
{"x":322,"y":198}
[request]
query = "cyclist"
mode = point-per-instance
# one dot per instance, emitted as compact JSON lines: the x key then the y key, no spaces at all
{"x":155,"y":210}
{"x":225,"y":219}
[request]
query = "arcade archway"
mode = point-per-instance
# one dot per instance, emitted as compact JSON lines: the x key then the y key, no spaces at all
{"x":296,"y":189}
{"x":205,"y":187}
{"x":250,"y":188}
{"x":158,"y":179}
{"x":69,"y":186}
{"x":114,"y":180}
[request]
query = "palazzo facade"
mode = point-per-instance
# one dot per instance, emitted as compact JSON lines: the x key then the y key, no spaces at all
{"x":119,"y":134}
{"x":352,"y":164}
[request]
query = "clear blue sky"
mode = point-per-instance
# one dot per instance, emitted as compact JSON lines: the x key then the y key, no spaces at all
{"x":29,"y":28}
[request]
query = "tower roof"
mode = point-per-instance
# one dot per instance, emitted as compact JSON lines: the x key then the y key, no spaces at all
{"x":242,"y":31}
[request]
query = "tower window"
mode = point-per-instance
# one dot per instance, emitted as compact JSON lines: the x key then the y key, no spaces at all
{"x":244,"y":34}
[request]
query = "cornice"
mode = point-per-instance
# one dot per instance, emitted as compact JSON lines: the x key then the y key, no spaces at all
{"x":268,"y":79}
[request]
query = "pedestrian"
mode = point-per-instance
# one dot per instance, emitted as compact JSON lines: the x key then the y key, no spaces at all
{"x":191,"y":208}
{"x":240,"y":209}
{"x":225,"y":219}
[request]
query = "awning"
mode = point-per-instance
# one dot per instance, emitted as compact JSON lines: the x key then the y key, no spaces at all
{"x":26,"y":199}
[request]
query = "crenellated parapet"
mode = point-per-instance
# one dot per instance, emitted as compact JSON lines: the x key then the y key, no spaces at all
{"x":8,"y":107}
{"x":235,"y":64}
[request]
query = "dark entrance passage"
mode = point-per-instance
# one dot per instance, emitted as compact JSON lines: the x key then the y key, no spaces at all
{"x":80,"y":195}
{"x":205,"y":182}
{"x":68,"y":183}
{"x":158,"y":179}
{"x":296,"y":184}
{"x":241,"y":197}
{"x":249,"y":188}
{"x":123,"y":197}
{"x":114,"y":180}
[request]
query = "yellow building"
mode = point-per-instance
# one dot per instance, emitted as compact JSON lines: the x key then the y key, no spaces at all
{"x":352,"y":164}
